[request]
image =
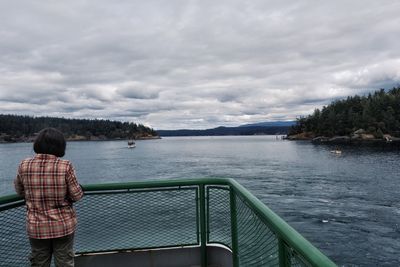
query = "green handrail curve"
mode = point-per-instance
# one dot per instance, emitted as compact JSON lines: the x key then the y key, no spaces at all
{"x":282,"y":229}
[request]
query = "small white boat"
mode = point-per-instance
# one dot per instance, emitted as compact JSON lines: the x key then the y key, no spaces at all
{"x":336,"y":151}
{"x":131,"y":144}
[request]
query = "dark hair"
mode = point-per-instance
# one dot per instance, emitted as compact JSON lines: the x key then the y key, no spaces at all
{"x":50,"y":141}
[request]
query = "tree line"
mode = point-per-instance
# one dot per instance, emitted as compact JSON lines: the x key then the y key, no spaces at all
{"x":14,"y":127}
{"x":377,"y":113}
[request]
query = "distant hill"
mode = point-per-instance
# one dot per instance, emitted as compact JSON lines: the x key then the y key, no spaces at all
{"x":241,"y":130}
{"x":271,"y":124}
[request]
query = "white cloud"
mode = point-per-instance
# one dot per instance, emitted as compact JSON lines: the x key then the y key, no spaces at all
{"x":382,"y":74}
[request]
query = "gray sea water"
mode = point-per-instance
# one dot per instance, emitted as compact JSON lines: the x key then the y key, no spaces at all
{"x":347,"y":206}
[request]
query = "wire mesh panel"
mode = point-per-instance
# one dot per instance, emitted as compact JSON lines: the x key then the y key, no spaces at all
{"x":219,"y":215}
{"x":257,"y":244}
{"x":14,"y":244}
{"x":295,"y":260}
{"x":137,"y":219}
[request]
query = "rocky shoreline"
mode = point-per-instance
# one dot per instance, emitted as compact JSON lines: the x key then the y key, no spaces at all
{"x":359,"y":137}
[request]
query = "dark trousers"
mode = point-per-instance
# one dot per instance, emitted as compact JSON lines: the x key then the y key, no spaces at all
{"x":61,"y":248}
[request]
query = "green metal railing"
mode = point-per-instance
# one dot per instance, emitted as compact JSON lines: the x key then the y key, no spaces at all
{"x":174,"y":213}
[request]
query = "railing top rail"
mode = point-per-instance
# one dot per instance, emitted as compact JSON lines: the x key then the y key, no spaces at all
{"x":157,"y":184}
{"x":136,"y":185}
{"x":10,"y":199}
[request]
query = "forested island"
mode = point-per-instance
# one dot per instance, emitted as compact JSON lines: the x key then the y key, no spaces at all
{"x":15,"y":128}
{"x":358,"y":119}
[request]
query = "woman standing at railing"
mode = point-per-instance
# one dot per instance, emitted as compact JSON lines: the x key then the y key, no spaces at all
{"x":49,"y":186}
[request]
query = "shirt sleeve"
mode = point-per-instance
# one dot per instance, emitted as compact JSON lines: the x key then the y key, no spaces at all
{"x":75,"y":192}
{"x":19,"y":186}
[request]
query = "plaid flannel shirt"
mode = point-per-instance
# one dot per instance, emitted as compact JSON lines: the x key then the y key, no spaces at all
{"x":49,"y":186}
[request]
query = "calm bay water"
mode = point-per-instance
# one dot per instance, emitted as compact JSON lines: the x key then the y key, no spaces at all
{"x":348,"y":205}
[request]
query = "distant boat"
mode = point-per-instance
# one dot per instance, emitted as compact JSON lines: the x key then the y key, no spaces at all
{"x":336,"y":151}
{"x":131,"y":144}
{"x":388,"y":138}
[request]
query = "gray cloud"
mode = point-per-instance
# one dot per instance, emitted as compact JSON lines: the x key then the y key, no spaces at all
{"x":193,"y":64}
{"x":137,"y":92}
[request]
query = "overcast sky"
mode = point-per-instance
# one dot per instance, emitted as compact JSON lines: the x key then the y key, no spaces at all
{"x":193,"y":64}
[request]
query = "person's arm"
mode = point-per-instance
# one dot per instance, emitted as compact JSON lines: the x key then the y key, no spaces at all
{"x":75,"y":192}
{"x":19,"y":186}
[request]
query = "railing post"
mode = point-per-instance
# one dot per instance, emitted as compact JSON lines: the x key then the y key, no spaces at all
{"x":203,"y":233}
{"x":234,"y":233}
{"x":283,"y":260}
